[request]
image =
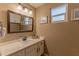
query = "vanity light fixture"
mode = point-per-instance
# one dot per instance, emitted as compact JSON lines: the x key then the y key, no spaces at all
{"x":19,"y":7}
{"x":25,"y":9}
{"x":30,"y":12}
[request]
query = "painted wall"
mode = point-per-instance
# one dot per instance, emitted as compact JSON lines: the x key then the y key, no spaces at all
{"x":3,"y":18}
{"x":61,"y":38}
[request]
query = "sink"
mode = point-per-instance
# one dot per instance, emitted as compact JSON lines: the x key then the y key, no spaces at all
{"x":29,"y":39}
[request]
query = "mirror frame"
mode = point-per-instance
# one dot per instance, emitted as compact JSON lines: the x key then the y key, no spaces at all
{"x":8,"y":22}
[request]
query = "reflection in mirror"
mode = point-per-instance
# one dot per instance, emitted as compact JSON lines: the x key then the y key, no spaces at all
{"x":19,"y":23}
{"x":26,"y":24}
{"x":15,"y":22}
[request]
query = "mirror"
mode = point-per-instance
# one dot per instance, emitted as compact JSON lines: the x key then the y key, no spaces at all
{"x":14,"y":22}
{"x":19,"y":23}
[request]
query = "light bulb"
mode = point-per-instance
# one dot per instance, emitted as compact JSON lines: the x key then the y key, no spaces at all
{"x":30,"y":12}
{"x":19,"y":7}
{"x":26,"y":10}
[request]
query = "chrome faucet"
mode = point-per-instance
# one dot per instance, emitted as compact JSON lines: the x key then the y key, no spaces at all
{"x":24,"y":38}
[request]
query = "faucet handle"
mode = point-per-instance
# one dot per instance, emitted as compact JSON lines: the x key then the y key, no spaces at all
{"x":24,"y":38}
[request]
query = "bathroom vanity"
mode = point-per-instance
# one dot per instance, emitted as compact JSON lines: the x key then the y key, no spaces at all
{"x":30,"y":47}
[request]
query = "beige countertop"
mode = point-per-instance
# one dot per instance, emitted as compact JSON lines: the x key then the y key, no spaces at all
{"x":10,"y":47}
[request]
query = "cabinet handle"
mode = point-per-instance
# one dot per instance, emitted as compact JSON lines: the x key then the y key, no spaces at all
{"x":41,"y":43}
{"x":38,"y":49}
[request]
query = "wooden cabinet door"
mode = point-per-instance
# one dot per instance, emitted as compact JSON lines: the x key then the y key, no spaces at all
{"x":40,"y":48}
{"x":32,"y":50}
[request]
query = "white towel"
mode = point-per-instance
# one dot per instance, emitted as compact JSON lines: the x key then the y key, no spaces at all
{"x":2,"y":32}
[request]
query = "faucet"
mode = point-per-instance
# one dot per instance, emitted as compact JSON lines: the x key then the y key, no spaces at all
{"x":24,"y":38}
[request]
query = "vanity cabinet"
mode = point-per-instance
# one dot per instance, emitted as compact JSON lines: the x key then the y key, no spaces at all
{"x":36,"y":49}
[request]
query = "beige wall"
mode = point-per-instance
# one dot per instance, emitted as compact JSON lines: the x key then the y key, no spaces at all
{"x":61,"y":38}
{"x":3,"y":18}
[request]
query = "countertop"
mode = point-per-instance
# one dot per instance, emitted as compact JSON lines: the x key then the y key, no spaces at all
{"x":10,"y":47}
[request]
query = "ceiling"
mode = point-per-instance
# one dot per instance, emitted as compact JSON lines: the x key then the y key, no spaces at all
{"x":36,"y":5}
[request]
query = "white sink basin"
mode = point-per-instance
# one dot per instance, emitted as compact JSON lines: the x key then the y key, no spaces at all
{"x":28,"y":39}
